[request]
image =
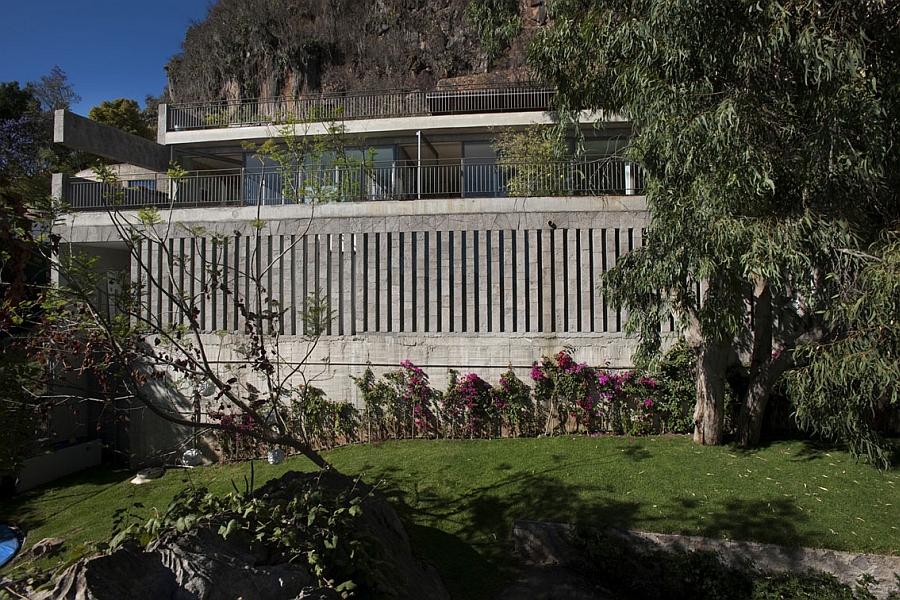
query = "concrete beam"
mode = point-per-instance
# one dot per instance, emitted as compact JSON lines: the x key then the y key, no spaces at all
{"x":84,"y":134}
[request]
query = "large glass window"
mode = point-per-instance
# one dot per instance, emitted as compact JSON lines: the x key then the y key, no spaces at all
{"x":479,"y":167}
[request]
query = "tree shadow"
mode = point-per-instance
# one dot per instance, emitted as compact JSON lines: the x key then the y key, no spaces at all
{"x":773,"y":521}
{"x":71,"y":488}
{"x":636,"y":452}
{"x":465,"y":529}
{"x":476,"y":559}
{"x":806,"y":449}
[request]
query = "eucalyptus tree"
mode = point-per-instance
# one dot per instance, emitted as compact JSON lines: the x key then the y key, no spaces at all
{"x":765,"y":130}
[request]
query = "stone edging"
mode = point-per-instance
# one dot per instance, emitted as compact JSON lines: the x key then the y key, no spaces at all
{"x":547,"y":544}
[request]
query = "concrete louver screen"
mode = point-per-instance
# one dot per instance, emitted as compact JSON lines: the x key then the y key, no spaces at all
{"x":402,"y":281}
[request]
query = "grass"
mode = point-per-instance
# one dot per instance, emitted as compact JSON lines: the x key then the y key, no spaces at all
{"x":459,"y":498}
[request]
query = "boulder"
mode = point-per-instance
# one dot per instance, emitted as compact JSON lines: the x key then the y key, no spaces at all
{"x":201,"y":565}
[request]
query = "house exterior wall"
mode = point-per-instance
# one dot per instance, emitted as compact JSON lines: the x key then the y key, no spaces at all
{"x":475,"y":285}
{"x":439,"y":276}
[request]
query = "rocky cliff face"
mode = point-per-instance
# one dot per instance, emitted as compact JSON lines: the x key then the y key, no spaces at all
{"x":262,"y":48}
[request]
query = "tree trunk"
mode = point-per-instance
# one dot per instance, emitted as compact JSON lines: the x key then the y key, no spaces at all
{"x":764,"y":369}
{"x":709,"y":414}
{"x":753,"y":407}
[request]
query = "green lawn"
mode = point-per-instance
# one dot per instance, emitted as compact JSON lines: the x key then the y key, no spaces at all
{"x":459,"y":498}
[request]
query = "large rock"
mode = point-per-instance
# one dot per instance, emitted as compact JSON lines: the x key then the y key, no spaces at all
{"x":201,"y":565}
{"x":195,"y":565}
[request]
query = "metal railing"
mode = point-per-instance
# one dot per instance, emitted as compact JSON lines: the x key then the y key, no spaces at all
{"x":366,"y":182}
{"x":333,"y":107}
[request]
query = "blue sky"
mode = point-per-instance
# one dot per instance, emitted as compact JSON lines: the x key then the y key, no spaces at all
{"x":108,"y":49}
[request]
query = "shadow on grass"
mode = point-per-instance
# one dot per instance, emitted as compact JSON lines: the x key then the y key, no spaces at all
{"x":74,"y":489}
{"x":774,"y":521}
{"x":475,"y":558}
{"x":636,"y":452}
{"x":464,"y":529}
{"x":804,"y":449}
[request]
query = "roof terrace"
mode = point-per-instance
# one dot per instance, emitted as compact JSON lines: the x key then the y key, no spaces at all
{"x":356,"y":106}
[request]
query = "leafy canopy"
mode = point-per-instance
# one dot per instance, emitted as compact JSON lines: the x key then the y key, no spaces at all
{"x":765,"y":130}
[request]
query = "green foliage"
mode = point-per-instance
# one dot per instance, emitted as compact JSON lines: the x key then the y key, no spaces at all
{"x":124,"y":114}
{"x":377,"y":395}
{"x":513,"y":399}
{"x":313,"y":168}
{"x":20,"y":406}
{"x":766,"y":145}
{"x":676,"y":375}
{"x":567,"y":392}
{"x":497,"y":23}
{"x":468,"y":408}
{"x":303,"y":520}
{"x":532,"y":162}
{"x":287,"y":47}
{"x":321,"y":422}
{"x":849,"y":382}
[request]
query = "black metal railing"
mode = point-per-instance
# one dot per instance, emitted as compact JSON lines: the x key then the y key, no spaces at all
{"x":366,"y":182}
{"x":337,"y":107}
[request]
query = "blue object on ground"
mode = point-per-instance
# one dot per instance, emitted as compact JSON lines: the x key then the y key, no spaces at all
{"x":10,"y":543}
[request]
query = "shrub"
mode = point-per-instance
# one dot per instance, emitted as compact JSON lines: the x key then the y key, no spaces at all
{"x":467,"y":408}
{"x":322,"y":423}
{"x":401,"y":405}
{"x":676,"y":373}
{"x":312,"y":519}
{"x":568,"y":391}
{"x":512,"y":399}
{"x":235,"y":444}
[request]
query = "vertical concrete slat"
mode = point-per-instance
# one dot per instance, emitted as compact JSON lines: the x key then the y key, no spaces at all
{"x":585,"y":282}
{"x":596,"y":302}
{"x":571,"y":259}
{"x":355,"y":287}
{"x":486,"y":279}
{"x":453,"y":306}
{"x":508,"y":303}
{"x":495,"y":308}
{"x":459,"y":284}
{"x":469,"y":281}
{"x":609,"y":261}
{"x":519,"y":297}
{"x":625,"y":244}
{"x":534,"y":296}
{"x":437,"y":285}
{"x":547,"y":277}
{"x":395,"y":300}
{"x":294,"y":271}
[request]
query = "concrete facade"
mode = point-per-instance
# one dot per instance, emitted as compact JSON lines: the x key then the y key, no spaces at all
{"x":475,"y":284}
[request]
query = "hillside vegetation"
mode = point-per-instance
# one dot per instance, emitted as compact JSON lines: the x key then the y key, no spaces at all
{"x":260,"y":48}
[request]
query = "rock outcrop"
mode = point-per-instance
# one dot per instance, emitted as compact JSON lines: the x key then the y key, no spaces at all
{"x":247,"y":49}
{"x":200,"y":564}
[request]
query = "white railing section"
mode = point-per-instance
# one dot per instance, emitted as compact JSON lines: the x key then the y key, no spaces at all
{"x":337,"y":107}
{"x":372,"y":182}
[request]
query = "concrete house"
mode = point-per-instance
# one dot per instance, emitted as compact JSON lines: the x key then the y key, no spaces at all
{"x":431,"y":249}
